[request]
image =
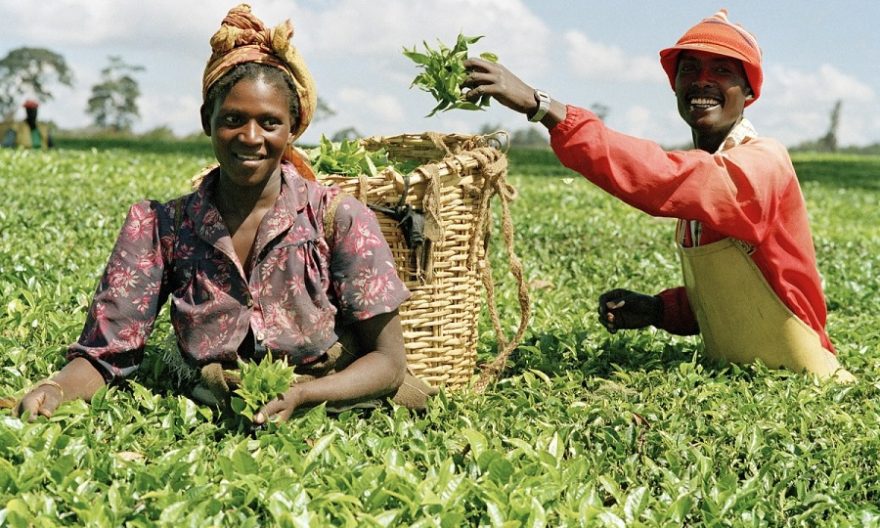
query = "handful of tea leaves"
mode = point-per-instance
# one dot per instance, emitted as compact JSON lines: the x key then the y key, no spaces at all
{"x":444,"y":73}
{"x":348,"y":158}
{"x":260,"y":383}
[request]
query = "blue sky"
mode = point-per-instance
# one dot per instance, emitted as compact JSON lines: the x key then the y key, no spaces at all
{"x":580,"y":52}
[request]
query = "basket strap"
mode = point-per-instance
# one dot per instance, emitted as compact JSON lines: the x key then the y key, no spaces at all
{"x":495,"y":184}
{"x":437,"y":139}
{"x":330,"y":217}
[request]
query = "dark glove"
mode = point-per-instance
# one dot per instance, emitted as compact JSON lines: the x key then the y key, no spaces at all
{"x":623,"y":309}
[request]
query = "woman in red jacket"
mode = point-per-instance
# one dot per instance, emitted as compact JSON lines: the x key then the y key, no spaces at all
{"x":751,"y":286}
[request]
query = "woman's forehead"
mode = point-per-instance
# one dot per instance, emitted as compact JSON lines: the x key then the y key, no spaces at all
{"x":257,"y":88}
{"x":257,"y":95}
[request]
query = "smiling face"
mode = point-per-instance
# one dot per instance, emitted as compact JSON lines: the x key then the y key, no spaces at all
{"x":249,"y":130}
{"x":711,"y":91}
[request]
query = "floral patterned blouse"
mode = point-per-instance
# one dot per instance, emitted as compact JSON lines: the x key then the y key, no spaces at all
{"x":299,"y":291}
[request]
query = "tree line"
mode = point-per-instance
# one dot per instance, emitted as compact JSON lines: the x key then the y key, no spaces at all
{"x":113,"y":104}
{"x":32,"y":72}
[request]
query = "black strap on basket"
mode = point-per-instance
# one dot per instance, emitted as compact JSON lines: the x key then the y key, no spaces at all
{"x":410,"y":220}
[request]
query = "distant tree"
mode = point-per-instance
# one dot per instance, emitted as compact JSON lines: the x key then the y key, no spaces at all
{"x":344,"y":134}
{"x":323,"y":110}
{"x":600,"y":110}
{"x":113,"y":104}
{"x":828,"y":142}
{"x":30,"y":71}
{"x":160,"y":133}
{"x":528,"y":137}
{"x":489,"y":128}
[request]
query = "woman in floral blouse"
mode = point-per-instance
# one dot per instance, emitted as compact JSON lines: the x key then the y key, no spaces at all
{"x":245,"y":258}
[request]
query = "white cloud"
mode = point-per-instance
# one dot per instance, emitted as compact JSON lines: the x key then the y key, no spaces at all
{"x":655,"y":124}
{"x":158,"y":24}
{"x":795,"y":105}
{"x":791,"y":87}
{"x":639,"y":122}
{"x":181,"y":113}
{"x":376,"y":106}
{"x":353,"y":27}
{"x":355,"y":44}
{"x":594,"y":60}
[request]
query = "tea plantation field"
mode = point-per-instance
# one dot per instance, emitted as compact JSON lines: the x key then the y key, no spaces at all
{"x":584,"y":429}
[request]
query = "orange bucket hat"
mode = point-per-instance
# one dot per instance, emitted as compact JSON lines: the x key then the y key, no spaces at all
{"x":717,"y":35}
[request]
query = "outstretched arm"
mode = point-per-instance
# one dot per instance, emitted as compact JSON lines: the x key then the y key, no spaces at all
{"x":489,"y":78}
{"x":376,"y":373}
{"x":119,"y":319}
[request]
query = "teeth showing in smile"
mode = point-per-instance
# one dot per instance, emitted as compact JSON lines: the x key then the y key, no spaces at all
{"x":704,"y":102}
{"x":248,"y":157}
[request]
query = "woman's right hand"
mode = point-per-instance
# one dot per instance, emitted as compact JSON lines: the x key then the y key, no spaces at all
{"x":493,"y":79}
{"x":78,"y":379}
{"x":624,"y":309}
{"x":40,"y":401}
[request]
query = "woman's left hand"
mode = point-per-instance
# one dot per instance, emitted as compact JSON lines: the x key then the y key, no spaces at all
{"x":280,"y":408}
{"x":372,"y":375}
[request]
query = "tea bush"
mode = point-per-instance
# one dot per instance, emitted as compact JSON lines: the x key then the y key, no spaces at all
{"x":584,"y":429}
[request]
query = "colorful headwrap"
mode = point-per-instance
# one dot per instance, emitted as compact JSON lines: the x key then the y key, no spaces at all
{"x":717,"y":35}
{"x":242,"y":37}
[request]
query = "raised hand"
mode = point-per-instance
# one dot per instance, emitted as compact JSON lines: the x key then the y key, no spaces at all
{"x":493,"y":79}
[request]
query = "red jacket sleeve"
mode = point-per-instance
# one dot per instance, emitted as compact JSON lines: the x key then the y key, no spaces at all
{"x":678,"y":318}
{"x":736,"y":192}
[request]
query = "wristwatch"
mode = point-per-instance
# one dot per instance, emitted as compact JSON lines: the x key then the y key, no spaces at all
{"x":543,"y":106}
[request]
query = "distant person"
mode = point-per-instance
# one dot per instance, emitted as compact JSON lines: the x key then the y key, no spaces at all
{"x":260,"y":257}
{"x":751,"y":286}
{"x":28,"y":133}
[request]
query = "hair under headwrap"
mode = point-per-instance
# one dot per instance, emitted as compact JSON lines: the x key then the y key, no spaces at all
{"x":242,"y":37}
{"x":717,"y":35}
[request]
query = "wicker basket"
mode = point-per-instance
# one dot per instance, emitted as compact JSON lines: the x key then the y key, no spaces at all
{"x":453,"y":185}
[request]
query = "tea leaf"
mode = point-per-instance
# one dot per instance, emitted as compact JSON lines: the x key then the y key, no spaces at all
{"x":634,"y":429}
{"x":348,"y":158}
{"x":260,"y":383}
{"x":444,"y":72}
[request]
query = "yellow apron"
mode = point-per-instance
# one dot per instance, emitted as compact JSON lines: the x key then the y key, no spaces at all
{"x":742,"y":319}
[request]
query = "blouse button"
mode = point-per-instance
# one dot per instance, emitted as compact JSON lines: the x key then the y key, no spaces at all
{"x":261,"y":336}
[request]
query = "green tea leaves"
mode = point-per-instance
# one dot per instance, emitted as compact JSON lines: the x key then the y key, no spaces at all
{"x":584,"y":428}
{"x":487,"y":56}
{"x":348,"y":158}
{"x":260,"y":383}
{"x":444,"y":72}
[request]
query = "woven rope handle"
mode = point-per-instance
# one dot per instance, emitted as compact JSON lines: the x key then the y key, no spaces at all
{"x":495,"y":184}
